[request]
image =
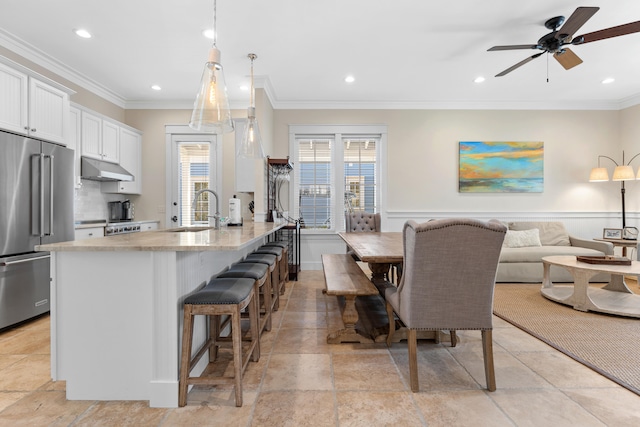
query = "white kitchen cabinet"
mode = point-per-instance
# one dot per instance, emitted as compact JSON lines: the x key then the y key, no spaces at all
{"x":100,"y":138}
{"x":89,"y":233}
{"x":148,"y":226}
{"x":131,"y":160}
{"x":73,"y":141}
{"x":32,"y":107}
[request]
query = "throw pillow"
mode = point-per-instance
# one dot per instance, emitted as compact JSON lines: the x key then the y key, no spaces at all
{"x":522,"y":239}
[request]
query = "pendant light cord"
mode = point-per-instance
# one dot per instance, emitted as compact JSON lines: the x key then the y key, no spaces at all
{"x":215,"y":28}
{"x":252,"y":57}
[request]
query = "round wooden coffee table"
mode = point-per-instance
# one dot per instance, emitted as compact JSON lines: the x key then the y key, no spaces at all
{"x":614,"y":298}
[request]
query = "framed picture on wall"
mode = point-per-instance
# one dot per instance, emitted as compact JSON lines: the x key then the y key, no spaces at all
{"x":612,"y":233}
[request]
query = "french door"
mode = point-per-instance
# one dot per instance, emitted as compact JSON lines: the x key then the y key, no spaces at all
{"x":193,"y":164}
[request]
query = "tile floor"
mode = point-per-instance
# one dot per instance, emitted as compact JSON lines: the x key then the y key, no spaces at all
{"x":301,"y":380}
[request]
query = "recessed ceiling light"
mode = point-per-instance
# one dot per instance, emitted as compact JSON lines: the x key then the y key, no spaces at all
{"x":208,"y":33}
{"x":82,"y":33}
{"x":156,"y":87}
{"x":244,"y":87}
{"x":478,"y":79}
{"x":608,"y":80}
{"x":349,"y":79}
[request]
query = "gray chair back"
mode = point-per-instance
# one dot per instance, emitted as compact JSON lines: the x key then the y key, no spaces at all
{"x":449,"y":274}
{"x":362,"y":221}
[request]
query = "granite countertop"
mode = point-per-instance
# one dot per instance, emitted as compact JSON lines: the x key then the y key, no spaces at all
{"x":226,"y":238}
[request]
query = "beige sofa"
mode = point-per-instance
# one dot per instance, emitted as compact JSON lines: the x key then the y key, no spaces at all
{"x":521,"y":255}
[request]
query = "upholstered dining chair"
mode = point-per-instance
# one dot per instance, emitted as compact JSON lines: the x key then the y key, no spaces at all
{"x":360,"y":221}
{"x":447,"y":283}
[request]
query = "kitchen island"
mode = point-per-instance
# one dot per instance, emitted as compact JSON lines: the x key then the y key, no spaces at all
{"x":116,"y":307}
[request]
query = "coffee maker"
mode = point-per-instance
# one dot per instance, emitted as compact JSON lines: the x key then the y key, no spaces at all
{"x":120,"y":211}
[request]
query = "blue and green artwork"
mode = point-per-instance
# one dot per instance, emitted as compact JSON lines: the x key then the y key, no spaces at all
{"x":501,"y":167}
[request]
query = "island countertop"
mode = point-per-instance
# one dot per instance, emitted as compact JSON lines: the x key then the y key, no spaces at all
{"x":207,"y":239}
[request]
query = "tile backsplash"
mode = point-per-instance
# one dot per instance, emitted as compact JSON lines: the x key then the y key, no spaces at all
{"x":91,"y":203}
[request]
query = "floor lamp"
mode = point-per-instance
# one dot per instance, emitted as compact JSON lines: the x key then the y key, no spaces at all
{"x":623,"y":172}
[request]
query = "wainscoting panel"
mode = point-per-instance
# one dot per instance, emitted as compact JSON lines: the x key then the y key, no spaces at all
{"x":586,"y":225}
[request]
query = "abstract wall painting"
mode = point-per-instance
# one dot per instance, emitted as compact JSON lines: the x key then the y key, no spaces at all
{"x":501,"y":167}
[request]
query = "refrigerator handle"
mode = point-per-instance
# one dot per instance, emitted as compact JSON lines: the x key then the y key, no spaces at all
{"x":20,"y":261}
{"x":51,"y":197}
{"x":41,"y":219}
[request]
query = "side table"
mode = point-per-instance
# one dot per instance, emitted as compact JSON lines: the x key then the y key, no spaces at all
{"x":623,"y":243}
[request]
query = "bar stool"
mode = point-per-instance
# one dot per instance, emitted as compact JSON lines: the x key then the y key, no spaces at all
{"x":285,"y":255}
{"x":227,"y":296}
{"x":271,"y":261}
{"x":260,"y":273}
{"x":278,"y":252}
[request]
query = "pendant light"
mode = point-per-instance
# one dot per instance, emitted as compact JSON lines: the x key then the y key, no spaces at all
{"x":251,"y":144}
{"x":211,"y":109}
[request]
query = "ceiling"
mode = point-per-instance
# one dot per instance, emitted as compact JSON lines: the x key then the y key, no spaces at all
{"x":402,"y":53}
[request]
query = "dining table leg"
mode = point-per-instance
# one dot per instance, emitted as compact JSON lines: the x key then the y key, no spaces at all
{"x":379,"y":271}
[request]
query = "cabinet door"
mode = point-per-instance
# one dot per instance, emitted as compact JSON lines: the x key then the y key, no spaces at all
{"x":130,"y":159}
{"x":91,"y":136}
{"x":73,"y":141}
{"x":89,"y":233}
{"x":110,"y":142}
{"x":13,"y":100}
{"x":48,"y":111}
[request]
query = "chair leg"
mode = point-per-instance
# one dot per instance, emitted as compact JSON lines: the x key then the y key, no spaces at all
{"x":412,"y":342}
{"x":236,"y":339}
{"x":214,"y":335}
{"x":254,"y":321}
{"x":392,"y":324}
{"x":454,"y":338}
{"x":187,"y":338}
{"x":487,"y":350}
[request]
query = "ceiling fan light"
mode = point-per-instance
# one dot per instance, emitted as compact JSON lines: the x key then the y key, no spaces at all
{"x":599,"y":175}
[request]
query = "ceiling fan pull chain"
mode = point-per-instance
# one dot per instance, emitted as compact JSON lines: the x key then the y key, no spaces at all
{"x":547,"y":68}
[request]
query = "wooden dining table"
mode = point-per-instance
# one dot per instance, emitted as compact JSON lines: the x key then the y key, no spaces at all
{"x":379,"y":249}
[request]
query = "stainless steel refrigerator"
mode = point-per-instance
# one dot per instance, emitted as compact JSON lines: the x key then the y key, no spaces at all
{"x":36,"y":207}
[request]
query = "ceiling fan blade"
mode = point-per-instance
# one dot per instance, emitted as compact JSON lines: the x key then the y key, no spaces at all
{"x":575,"y":21}
{"x":514,"y":47}
{"x":567,"y":59}
{"x":620,"y":30}
{"x":519,"y":64}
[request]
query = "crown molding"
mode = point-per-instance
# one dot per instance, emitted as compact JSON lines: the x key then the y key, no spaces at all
{"x":33,"y":54}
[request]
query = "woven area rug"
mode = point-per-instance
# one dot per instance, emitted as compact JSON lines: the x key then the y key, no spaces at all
{"x":610,"y":345}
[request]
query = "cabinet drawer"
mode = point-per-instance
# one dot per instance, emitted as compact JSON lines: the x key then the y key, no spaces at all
{"x":89,"y":233}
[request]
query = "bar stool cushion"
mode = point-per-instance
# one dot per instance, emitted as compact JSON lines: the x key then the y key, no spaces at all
{"x":282,"y":245}
{"x":268,"y":259}
{"x":222,"y":291}
{"x":251,"y":270}
{"x":273,"y":250}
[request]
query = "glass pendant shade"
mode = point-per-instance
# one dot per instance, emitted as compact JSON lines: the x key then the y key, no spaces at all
{"x":623,"y":173}
{"x":598,"y":175}
{"x":211,"y":110}
{"x":251,"y":145}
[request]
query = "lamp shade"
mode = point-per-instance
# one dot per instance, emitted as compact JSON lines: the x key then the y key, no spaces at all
{"x":598,"y":175}
{"x":211,"y":109}
{"x":251,"y":144}
{"x":623,"y":173}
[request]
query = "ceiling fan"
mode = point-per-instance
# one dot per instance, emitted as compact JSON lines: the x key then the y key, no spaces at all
{"x":557,"y":39}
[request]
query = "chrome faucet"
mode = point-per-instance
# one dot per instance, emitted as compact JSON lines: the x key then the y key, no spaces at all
{"x":216,"y":216}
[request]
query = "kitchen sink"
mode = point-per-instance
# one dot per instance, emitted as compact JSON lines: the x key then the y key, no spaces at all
{"x":187,"y":229}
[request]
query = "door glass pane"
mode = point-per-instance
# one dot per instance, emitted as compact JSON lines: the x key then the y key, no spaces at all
{"x":193,"y":175}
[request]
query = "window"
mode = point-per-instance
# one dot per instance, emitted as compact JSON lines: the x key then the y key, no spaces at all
{"x":336,"y":170}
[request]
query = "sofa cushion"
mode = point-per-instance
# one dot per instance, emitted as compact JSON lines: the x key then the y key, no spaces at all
{"x":522,"y":239}
{"x":552,"y":233}
{"x":535,"y":253}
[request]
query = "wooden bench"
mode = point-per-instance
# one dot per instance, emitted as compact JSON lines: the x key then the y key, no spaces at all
{"x":344,"y":278}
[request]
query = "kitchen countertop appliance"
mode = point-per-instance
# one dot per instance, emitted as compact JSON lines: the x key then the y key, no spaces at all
{"x":120,"y":211}
{"x":36,"y":207}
